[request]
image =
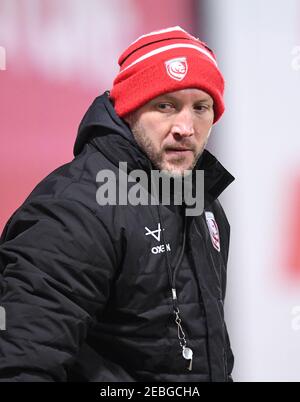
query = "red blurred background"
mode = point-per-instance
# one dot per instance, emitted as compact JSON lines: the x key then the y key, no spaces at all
{"x":59,"y":56}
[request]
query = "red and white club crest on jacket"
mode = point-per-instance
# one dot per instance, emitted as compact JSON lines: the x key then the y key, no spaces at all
{"x":213,"y":230}
{"x":177,"y":68}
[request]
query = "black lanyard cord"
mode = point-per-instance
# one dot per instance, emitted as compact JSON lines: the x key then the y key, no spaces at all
{"x":187,"y":353}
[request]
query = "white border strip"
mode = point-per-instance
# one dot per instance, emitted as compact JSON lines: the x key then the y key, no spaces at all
{"x":176,"y":28}
{"x":169,"y":47}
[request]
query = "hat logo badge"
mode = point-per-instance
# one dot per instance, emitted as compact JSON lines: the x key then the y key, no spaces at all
{"x":177,"y":68}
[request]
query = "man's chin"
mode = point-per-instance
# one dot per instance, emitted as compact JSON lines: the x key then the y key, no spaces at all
{"x":177,"y":171}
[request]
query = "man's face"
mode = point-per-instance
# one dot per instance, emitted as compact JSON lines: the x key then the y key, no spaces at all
{"x":173,"y":128}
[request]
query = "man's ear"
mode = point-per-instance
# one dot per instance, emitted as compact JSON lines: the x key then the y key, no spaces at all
{"x":130,"y":119}
{"x":209,"y":132}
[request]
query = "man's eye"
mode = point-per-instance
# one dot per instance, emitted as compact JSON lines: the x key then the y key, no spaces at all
{"x":202,"y":108}
{"x":164,"y":106}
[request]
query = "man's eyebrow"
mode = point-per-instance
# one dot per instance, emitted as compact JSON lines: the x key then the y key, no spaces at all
{"x":174,"y":98}
{"x":205,"y":100}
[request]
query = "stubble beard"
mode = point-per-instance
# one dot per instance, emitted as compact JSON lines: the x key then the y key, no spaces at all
{"x":157,"y":157}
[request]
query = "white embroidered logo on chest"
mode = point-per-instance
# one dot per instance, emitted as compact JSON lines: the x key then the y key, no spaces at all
{"x":177,"y":68}
{"x":213,"y":230}
{"x":161,"y":248}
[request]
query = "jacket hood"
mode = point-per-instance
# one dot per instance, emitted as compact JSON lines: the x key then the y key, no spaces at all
{"x":110,"y":134}
{"x":100,"y":120}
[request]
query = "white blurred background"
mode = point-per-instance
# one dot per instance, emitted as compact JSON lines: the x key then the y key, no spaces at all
{"x":56,"y":56}
{"x":258,"y":46}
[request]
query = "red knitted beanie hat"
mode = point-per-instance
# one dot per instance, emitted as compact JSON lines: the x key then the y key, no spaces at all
{"x":166,"y":61}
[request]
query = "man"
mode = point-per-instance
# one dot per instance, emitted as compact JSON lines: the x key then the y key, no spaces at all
{"x":124,"y":292}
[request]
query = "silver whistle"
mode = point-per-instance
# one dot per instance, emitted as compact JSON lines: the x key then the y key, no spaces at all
{"x":187,"y":353}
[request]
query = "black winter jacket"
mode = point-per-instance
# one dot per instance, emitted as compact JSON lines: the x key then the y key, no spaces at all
{"x":86,"y":291}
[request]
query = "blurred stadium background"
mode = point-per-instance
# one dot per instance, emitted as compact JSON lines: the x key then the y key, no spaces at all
{"x":56,"y":56}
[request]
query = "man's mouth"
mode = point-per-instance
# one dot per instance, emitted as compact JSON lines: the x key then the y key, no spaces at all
{"x":183,"y":151}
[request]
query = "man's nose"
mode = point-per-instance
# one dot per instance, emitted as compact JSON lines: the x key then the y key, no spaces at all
{"x":183,"y":124}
